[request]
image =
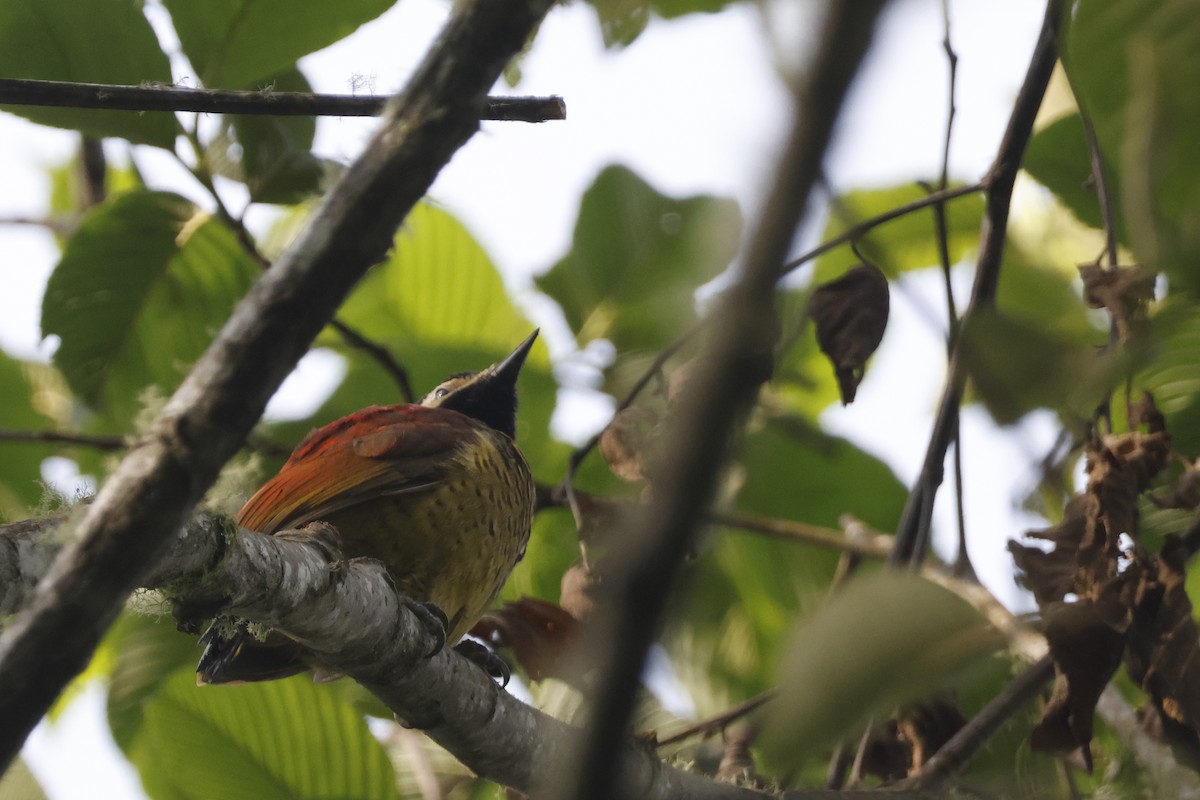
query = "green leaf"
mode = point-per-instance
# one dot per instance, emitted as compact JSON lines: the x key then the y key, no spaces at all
{"x":746,"y":590}
{"x":236,"y":43}
{"x":281,"y":739}
{"x":906,"y":243}
{"x":99,"y":41}
{"x":277,"y":161}
{"x":1044,"y":294}
{"x":1058,"y":158}
{"x":20,"y":464}
{"x":1172,"y":374}
{"x":884,"y":640}
{"x":140,"y":291}
{"x":1134,"y":65}
{"x":622,"y":21}
{"x":1016,"y":367}
{"x":636,"y":260}
{"x":142,"y":654}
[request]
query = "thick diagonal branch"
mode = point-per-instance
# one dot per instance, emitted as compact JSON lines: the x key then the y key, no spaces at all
{"x":912,"y":534}
{"x":735,"y":364}
{"x":204,"y":423}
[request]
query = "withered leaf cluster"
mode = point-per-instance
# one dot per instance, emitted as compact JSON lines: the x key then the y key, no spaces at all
{"x":541,"y":633}
{"x":851,"y":315}
{"x":1106,"y":600}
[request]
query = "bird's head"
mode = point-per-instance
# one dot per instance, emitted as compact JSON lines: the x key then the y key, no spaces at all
{"x":489,"y":395}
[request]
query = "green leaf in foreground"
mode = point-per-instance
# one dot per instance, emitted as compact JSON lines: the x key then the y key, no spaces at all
{"x":1134,"y":65}
{"x":140,"y":291}
{"x":904,"y":244}
{"x":636,"y":260}
{"x":1016,"y":367}
{"x":886,"y":639}
{"x":234,"y":43}
{"x":98,"y":41}
{"x":1057,"y":158}
{"x":281,"y":739}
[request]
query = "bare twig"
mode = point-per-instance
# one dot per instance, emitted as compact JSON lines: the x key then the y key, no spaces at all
{"x":1102,"y":192}
{"x":105,"y":444}
{"x":63,"y":94}
{"x":157,"y":483}
{"x":715,"y":723}
{"x":350,"y":335}
{"x":61,"y":225}
{"x":912,"y":534}
{"x":581,"y":452}
{"x":962,"y":559}
{"x":358,"y":341}
{"x":871,"y":544}
{"x":955,"y":754}
{"x":736,"y":362}
{"x":867,"y":225}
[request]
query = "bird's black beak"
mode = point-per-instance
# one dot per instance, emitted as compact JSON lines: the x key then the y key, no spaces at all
{"x":508,"y":369}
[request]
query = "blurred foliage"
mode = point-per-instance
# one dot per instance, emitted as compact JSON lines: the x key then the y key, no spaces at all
{"x":233,"y":45}
{"x":148,"y":277}
{"x":56,"y":40}
{"x":1134,"y":65}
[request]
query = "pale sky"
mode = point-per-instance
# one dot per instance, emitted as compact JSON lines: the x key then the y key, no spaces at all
{"x":693,"y":106}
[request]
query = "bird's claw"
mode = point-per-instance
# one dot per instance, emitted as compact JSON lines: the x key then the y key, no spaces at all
{"x":434,"y":620}
{"x":492,"y":664}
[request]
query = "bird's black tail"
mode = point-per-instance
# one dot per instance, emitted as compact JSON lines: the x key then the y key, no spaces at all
{"x":238,"y":657}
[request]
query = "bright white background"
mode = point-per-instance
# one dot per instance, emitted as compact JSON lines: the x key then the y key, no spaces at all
{"x":695,"y":105}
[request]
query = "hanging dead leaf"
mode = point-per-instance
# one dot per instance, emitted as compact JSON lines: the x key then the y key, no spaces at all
{"x":1124,"y":291}
{"x":577,"y":592}
{"x":851,"y":314}
{"x":1164,"y":650}
{"x":1087,"y":651}
{"x":626,"y":442}
{"x":1051,"y":576}
{"x":538,"y":632}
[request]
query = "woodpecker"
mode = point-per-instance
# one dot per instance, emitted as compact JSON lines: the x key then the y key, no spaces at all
{"x":438,"y":492}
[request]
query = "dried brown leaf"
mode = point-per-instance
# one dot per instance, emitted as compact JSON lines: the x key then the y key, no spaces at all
{"x":1124,"y":291}
{"x":538,"y":632}
{"x":851,"y":315}
{"x":1051,"y":575}
{"x":1087,"y":651}
{"x":577,"y":592}
{"x":627,"y":441}
{"x":1164,"y":650}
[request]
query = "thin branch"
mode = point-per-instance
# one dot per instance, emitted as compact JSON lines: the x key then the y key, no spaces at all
{"x":105,"y":444}
{"x":963,"y":746}
{"x":356,"y":340}
{"x":581,"y":452}
{"x":1102,"y":193}
{"x":858,"y":539}
{"x":642,"y":563}
{"x":350,"y":335}
{"x":109,"y":444}
{"x":716,"y":723}
{"x":912,"y":534}
{"x":151,"y":97}
{"x":962,"y":559}
{"x":158,"y":482}
{"x":867,"y":225}
{"x":61,"y":225}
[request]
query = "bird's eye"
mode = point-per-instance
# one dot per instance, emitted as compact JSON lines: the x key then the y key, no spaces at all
{"x":440,"y":392}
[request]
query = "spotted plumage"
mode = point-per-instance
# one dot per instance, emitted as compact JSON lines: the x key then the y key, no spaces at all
{"x":439,"y":492}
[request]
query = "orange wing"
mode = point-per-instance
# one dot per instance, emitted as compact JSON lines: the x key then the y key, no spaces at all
{"x":382,"y":450}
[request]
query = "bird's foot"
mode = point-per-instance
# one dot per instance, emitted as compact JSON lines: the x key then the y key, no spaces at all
{"x":433,"y":619}
{"x":492,"y":664}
